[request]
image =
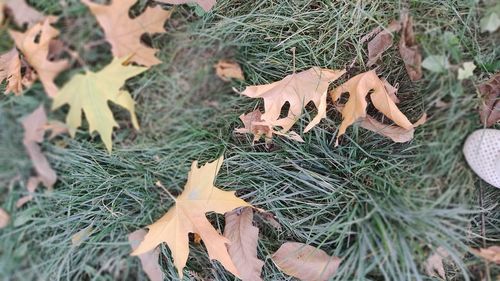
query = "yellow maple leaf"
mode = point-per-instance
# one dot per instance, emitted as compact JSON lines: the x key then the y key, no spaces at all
{"x":188,"y":216}
{"x":90,"y":93}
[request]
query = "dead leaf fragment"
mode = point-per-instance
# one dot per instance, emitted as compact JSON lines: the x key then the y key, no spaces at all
{"x":381,"y":42}
{"x":408,"y":48}
{"x":22,"y":13}
{"x":31,"y":187}
{"x":207,"y":5}
{"x":491,"y":254}
{"x":305,"y":262}
{"x":4,"y":218}
{"x":434,"y":263}
{"x":297,"y":90}
{"x":358,"y":88}
{"x":10,"y":70}
{"x":227,"y":70}
{"x":82,"y":235}
{"x":244,"y":237}
{"x":395,"y":133}
{"x":124,"y":33}
{"x":391,"y":90}
{"x":188,"y":216}
{"x":490,"y":109}
{"x":149,"y":260}
{"x":250,"y":127}
{"x":34,"y":44}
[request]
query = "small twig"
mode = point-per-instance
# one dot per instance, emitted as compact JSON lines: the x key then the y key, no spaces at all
{"x":158,"y":183}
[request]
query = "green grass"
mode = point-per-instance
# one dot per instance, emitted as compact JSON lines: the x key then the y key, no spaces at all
{"x":382,"y":207}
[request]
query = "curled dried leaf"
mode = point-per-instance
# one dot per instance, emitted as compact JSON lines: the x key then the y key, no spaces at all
{"x":409,"y":49}
{"x":490,"y":109}
{"x":227,"y":70}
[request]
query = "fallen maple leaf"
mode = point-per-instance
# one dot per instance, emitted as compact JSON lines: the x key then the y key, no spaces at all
{"x":34,"y":44}
{"x":10,"y":70}
{"x":408,"y":48}
{"x":4,"y":218}
{"x":90,"y":93}
{"x":490,"y":109}
{"x":31,"y":187}
{"x":22,"y":13}
{"x":298,"y":90}
{"x":124,"y":33}
{"x":381,"y":42}
{"x":188,"y":216}
{"x":305,"y":262}
{"x":33,"y":125}
{"x":227,"y":70}
{"x":358,"y":88}
{"x":243,"y":236}
{"x":434,"y":263}
{"x":207,"y":5}
{"x":491,"y":254}
{"x":395,"y":133}
{"x":149,"y":260}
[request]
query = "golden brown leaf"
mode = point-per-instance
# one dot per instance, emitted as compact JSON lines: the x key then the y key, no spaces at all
{"x":490,"y":109}
{"x":34,"y":44}
{"x":124,"y":33}
{"x":149,"y":260}
{"x":188,"y":216}
{"x":408,"y":48}
{"x":244,"y":237}
{"x":205,"y":4}
{"x":358,"y":88}
{"x":395,"y":133}
{"x":23,"y":13}
{"x":10,"y":70}
{"x":4,"y":218}
{"x":381,"y":42}
{"x":227,"y":70}
{"x":491,"y":254}
{"x":305,"y":262}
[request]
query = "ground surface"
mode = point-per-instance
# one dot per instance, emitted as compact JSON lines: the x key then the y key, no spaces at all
{"x":383,"y":207}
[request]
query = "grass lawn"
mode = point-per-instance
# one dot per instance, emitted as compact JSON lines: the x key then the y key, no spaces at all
{"x":383,"y":207}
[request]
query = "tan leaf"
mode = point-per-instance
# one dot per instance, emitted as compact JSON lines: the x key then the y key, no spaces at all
{"x":358,"y":88}
{"x":227,"y":70}
{"x":149,"y":260}
{"x":258,"y":131}
{"x":23,"y":13}
{"x":305,"y":262}
{"x":4,"y":218}
{"x":188,"y":216}
{"x":434,"y":263}
{"x":391,"y":90}
{"x":31,"y":187}
{"x":491,"y":254}
{"x":244,"y":237}
{"x":124,"y":33}
{"x":10,"y":70}
{"x":207,"y":5}
{"x":34,"y":44}
{"x":408,"y":48}
{"x":395,"y":133}
{"x":33,"y":125}
{"x":82,"y":235}
{"x":298,"y":90}
{"x":381,"y":42}
{"x":490,"y":109}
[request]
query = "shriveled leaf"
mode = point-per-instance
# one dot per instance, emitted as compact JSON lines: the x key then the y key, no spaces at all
{"x":82,"y":235}
{"x":227,"y":70}
{"x":124,"y":33}
{"x":490,"y":23}
{"x":358,"y":88}
{"x":395,"y":133}
{"x":297,"y":90}
{"x":408,"y":48}
{"x":434,"y":263}
{"x":90,"y":93}
{"x":10,"y":70}
{"x":188,"y":216}
{"x":466,"y":71}
{"x":249,"y":121}
{"x":490,"y":109}
{"x":33,"y":125}
{"x":491,"y":254}
{"x":23,"y":13}
{"x":4,"y":218}
{"x":34,"y":44}
{"x":305,"y":262}
{"x":207,"y":5}
{"x":243,"y":237}
{"x":381,"y":42}
{"x":149,"y":260}
{"x":31,"y":187}
{"x":436,"y":64}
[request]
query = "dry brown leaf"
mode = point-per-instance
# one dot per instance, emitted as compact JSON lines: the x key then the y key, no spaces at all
{"x":10,"y":70}
{"x":31,"y":187}
{"x":258,"y":131}
{"x":149,"y":260}
{"x":188,"y":216}
{"x":305,"y":262}
{"x":244,"y":237}
{"x":34,"y":44}
{"x":491,"y":254}
{"x":490,"y":109}
{"x":395,"y":133}
{"x":4,"y":218}
{"x":381,"y":42}
{"x":207,"y":5}
{"x":408,"y":48}
{"x":23,"y":13}
{"x":297,"y":90}
{"x":34,"y":125}
{"x":227,"y":70}
{"x":358,"y":88}
{"x":434,"y":263}
{"x":124,"y":33}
